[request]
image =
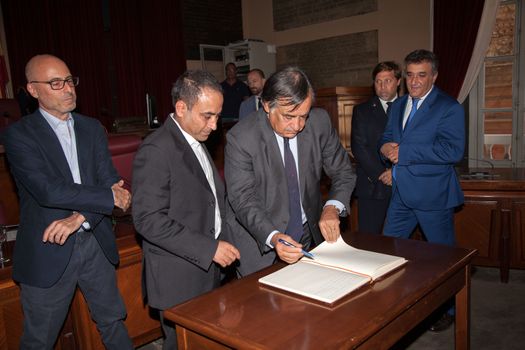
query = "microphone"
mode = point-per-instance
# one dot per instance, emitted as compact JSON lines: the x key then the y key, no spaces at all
{"x":481,"y":160}
{"x":480,"y":174}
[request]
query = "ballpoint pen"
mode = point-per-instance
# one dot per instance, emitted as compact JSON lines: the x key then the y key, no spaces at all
{"x":305,"y":253}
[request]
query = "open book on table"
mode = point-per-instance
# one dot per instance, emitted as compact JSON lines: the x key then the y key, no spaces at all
{"x":336,"y":270}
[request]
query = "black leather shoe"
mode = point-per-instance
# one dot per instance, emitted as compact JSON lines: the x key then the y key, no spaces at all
{"x":442,"y":323}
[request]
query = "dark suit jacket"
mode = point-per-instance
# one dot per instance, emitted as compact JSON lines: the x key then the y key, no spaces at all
{"x":368,"y":123}
{"x":174,"y":210}
{"x":256,"y":181}
{"x":47,"y":193}
{"x":430,"y":145}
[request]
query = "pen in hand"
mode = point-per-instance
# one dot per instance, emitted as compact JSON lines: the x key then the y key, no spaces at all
{"x":305,"y":253}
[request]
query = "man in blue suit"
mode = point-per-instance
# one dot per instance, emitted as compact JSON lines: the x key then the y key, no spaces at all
{"x":424,"y":138}
{"x":67,"y":187}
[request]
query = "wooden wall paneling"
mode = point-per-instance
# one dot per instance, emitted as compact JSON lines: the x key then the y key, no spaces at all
{"x":477,"y":226}
{"x":11,"y":316}
{"x":518,"y":233}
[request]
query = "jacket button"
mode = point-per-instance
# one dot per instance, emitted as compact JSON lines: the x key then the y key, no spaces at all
{"x":212,"y":231}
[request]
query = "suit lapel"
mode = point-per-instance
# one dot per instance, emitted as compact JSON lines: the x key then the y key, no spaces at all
{"x":272,"y":153}
{"x":188,"y":156}
{"x":424,"y":109}
{"x":82,"y":151}
{"x":401,"y":113}
{"x":379,"y":113}
{"x":49,"y":141}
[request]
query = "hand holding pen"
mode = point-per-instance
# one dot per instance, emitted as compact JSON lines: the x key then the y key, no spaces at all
{"x":286,"y":248}
{"x":304,"y":252}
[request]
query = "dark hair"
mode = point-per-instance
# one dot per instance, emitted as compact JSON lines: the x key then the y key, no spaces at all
{"x":258,"y":71}
{"x":419,"y":56}
{"x":190,"y":84}
{"x":287,"y":87}
{"x":387,"y":66}
{"x":230,"y":64}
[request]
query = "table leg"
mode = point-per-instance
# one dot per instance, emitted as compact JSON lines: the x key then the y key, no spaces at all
{"x":463,"y":314}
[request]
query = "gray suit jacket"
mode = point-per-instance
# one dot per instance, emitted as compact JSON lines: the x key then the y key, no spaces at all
{"x":256,"y":181}
{"x":173,"y":210}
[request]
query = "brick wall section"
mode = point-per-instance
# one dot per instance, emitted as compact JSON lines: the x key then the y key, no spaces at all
{"x":216,"y":22}
{"x":345,"y":60}
{"x":297,"y":13}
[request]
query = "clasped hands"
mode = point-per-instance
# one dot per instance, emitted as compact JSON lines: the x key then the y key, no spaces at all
{"x":59,"y":230}
{"x":391,"y":151}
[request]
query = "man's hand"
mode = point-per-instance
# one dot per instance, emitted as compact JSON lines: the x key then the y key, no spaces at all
{"x":391,"y":151}
{"x":286,"y":253}
{"x":226,"y":254}
{"x":59,"y":230}
{"x":121,"y":195}
{"x":386,"y":177}
{"x":329,"y":223}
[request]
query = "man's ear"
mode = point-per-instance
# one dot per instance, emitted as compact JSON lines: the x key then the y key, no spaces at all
{"x":32,"y":90}
{"x":266,"y":106}
{"x":180,"y":108}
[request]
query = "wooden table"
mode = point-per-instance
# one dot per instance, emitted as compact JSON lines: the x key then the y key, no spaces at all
{"x":245,"y":315}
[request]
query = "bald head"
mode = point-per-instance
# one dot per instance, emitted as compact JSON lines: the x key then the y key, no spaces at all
{"x":35,"y":64}
{"x":40,"y":71}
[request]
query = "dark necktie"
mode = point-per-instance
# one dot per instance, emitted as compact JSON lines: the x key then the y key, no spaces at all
{"x":295,"y":224}
{"x":388,"y":104}
{"x":412,"y":111}
{"x":259,"y":103}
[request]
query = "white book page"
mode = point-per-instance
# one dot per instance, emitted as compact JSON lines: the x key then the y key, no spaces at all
{"x":341,"y":255}
{"x":314,"y":281}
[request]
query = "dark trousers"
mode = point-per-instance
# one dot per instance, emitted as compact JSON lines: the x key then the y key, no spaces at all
{"x":371,"y":214}
{"x":45,"y":309}
{"x":170,"y":334}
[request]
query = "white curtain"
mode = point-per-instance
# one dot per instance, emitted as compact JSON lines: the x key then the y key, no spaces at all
{"x":488,"y":18}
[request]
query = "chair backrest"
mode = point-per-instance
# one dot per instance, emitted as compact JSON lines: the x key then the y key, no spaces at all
{"x":3,"y":215}
{"x":123,"y":149}
{"x":9,"y":112}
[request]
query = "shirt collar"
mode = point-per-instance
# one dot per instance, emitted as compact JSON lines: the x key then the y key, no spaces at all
{"x":421,"y":99}
{"x":190,"y":139}
{"x":53,"y":121}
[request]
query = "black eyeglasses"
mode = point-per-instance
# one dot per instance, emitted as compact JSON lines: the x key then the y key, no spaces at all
{"x":58,"y":84}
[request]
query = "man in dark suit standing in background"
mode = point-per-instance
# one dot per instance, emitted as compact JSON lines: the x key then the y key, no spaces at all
{"x":374,"y":177}
{"x":67,"y":187}
{"x":178,"y":201}
{"x":424,"y":139}
{"x":274,"y":160}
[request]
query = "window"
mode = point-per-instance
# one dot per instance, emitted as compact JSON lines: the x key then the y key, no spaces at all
{"x":496,"y":133}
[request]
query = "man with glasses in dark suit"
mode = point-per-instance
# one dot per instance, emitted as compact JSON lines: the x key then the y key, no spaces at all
{"x":68,"y":188}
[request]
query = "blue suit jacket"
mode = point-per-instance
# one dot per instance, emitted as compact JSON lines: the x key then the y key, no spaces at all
{"x":247,"y":107}
{"x":431,"y":144}
{"x":47,"y":193}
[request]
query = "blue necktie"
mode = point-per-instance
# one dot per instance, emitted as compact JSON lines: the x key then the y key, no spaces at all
{"x":412,"y":111}
{"x":295,"y":224}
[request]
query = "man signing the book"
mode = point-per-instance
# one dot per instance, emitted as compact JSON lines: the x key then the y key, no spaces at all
{"x":274,"y":159}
